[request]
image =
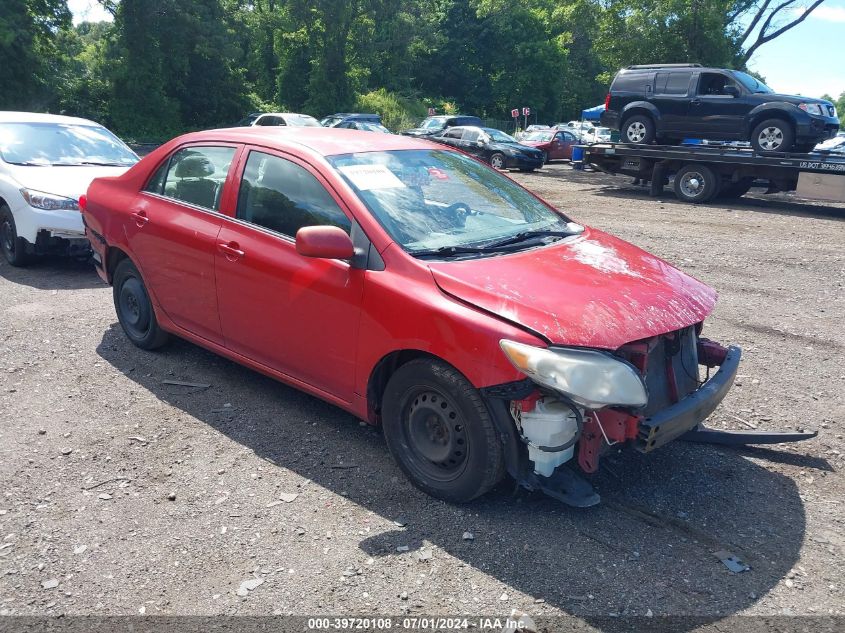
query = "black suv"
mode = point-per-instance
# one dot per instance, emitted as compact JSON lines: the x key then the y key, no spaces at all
{"x":436,"y":124}
{"x":670,"y":102}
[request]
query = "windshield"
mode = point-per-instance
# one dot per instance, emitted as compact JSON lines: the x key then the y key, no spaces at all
{"x":498,"y":136}
{"x":431,"y":199}
{"x":301,"y":120}
{"x":373,"y":127}
{"x":751,"y":83}
{"x":541,"y":135}
{"x":330,"y":121}
{"x":62,"y":144}
{"x":432,"y":124}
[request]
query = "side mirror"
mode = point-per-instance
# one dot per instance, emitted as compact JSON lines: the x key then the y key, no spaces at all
{"x":324,"y":242}
{"x":733,"y":91}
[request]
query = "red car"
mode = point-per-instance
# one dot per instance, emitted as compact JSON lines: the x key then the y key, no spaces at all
{"x":418,"y":289}
{"x":555,"y":144}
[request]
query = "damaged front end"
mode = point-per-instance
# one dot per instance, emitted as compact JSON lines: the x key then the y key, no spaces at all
{"x":578,"y":403}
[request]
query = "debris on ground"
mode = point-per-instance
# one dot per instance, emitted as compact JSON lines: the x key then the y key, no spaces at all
{"x":52,"y":583}
{"x":731,"y":561}
{"x":249,"y":585}
{"x":181,"y":383}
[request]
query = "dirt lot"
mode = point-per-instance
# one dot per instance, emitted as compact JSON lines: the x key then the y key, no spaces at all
{"x":121,"y":494}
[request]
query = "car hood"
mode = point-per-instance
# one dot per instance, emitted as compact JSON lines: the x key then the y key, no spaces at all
{"x":537,"y":144}
{"x":793,"y":99}
{"x":419,"y":131}
{"x":67,"y":181}
{"x":592,"y":290}
{"x":520,"y":147}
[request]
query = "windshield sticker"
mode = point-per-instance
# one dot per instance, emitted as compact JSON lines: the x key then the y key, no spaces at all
{"x":367,"y":177}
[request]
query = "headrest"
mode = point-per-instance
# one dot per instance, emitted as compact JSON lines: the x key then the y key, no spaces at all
{"x":195,"y":166}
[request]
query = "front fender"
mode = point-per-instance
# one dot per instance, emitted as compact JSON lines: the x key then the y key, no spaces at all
{"x":775,"y":110}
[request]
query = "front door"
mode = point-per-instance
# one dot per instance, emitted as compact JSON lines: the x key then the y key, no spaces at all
{"x":719,"y":107}
{"x":294,"y":314}
{"x":173,"y":229}
{"x":561,"y":147}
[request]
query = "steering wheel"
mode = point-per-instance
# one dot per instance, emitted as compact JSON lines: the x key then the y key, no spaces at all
{"x":459,"y":211}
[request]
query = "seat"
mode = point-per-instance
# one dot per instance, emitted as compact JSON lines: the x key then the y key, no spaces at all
{"x":193,"y":185}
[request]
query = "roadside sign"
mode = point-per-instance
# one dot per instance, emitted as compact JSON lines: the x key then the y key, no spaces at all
{"x":431,"y":111}
{"x":526,"y":111}
{"x":515,"y":112}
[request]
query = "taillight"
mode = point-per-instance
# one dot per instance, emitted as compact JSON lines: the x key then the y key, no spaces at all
{"x":607,"y":102}
{"x":83,"y":202}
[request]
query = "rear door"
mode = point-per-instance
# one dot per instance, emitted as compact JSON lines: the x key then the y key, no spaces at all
{"x":671,"y":97}
{"x":172,"y":231}
{"x":294,"y":314}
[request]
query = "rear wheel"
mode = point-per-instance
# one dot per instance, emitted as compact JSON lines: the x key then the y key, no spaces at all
{"x":638,"y":129}
{"x":13,"y":247}
{"x":440,"y":432}
{"x":773,"y":135}
{"x":134,"y":308}
{"x":497,"y":161}
{"x":696,"y":184}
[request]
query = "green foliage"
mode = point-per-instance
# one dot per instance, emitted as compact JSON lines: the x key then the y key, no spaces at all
{"x":397,"y":112}
{"x":167,"y":66}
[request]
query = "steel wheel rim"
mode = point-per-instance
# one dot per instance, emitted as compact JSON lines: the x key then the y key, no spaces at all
{"x":692,"y":184}
{"x":435,"y":434}
{"x":134,"y":312}
{"x":7,"y":237}
{"x":636,"y":132}
{"x":497,"y":162}
{"x":770,"y":138}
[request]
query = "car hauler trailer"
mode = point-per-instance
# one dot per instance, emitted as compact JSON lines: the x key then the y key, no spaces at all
{"x":703,"y":172}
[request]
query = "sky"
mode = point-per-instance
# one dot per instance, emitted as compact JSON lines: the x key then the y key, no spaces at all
{"x":808,"y":59}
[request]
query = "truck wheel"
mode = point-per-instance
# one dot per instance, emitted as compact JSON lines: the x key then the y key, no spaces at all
{"x":696,"y":184}
{"x":440,"y":432}
{"x":639,"y":129}
{"x":736,"y":189}
{"x":134,"y":308}
{"x":13,"y":247}
{"x":773,"y":135}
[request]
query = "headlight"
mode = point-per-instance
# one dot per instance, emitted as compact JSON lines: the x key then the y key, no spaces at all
{"x":811,"y":108}
{"x":590,"y":379}
{"x":48,"y":201}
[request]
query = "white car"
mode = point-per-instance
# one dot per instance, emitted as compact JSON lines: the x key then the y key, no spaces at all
{"x":46,"y":163}
{"x":291,"y":119}
{"x":596,"y":135}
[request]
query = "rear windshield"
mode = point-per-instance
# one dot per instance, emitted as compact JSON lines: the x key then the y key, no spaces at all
{"x":631,"y":82}
{"x":62,"y":144}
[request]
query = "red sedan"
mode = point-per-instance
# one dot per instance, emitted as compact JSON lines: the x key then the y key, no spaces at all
{"x":555,"y":144}
{"x":417,"y":288}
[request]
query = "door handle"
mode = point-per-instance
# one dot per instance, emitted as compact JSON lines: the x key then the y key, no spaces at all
{"x":695,"y":102}
{"x":230,"y":250}
{"x":140,"y":218}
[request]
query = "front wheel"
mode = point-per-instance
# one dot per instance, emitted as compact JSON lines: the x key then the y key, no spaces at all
{"x":13,"y":247}
{"x":497,"y":161}
{"x":773,"y":135}
{"x":440,"y":432}
{"x":134,"y":308}
{"x":639,"y":129}
{"x":696,"y":184}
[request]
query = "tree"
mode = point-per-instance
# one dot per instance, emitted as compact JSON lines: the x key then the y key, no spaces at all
{"x":766,"y":20}
{"x":28,"y":30}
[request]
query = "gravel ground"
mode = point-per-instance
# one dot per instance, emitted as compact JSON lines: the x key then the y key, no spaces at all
{"x":122,"y":494}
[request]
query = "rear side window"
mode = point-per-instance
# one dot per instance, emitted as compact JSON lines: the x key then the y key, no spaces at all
{"x":194,"y":175}
{"x":283,"y":197}
{"x":631,"y":82}
{"x":470,"y":135}
{"x":676,"y":83}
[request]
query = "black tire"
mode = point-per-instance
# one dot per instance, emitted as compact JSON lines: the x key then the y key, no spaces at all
{"x":545,"y":158}
{"x":134,"y":308}
{"x":14,"y":248}
{"x":773,"y":135}
{"x":736,"y":189}
{"x":440,"y":433}
{"x":497,"y":161}
{"x":696,"y":184}
{"x":638,"y":129}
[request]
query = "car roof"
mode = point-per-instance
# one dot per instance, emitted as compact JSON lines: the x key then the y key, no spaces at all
{"x":7,"y":116}
{"x":285,"y":114}
{"x":354,"y":115}
{"x":327,"y":141}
